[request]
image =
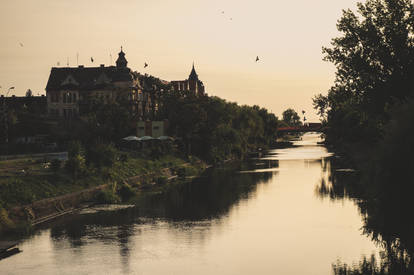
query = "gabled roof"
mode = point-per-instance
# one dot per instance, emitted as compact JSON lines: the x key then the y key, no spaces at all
{"x":87,"y":78}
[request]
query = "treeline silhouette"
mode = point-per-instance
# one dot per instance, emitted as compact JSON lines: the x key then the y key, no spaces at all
{"x":368,"y":115}
{"x":216,"y":130}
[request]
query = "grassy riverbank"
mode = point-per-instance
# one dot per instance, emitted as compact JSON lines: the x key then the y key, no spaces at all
{"x":26,"y":181}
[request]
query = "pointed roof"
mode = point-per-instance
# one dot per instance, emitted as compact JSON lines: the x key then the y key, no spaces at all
{"x":193,"y":74}
{"x":121,"y":62}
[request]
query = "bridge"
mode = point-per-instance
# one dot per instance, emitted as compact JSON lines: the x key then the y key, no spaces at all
{"x":308,"y":127}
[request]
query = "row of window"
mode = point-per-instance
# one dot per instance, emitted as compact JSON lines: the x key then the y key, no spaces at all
{"x":66,"y":97}
{"x":67,"y":113}
{"x":69,"y":98}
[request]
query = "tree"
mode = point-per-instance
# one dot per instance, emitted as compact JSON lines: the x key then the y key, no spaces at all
{"x":76,"y":160}
{"x":374,"y":61}
{"x":291,"y":117}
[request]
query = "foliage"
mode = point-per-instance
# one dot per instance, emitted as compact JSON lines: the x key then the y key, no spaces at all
{"x":105,"y":121}
{"x":55,"y":165}
{"x":291,"y":117}
{"x":76,"y":159}
{"x":215,"y":130}
{"x":107,"y":197}
{"x":101,"y":155}
{"x":374,"y":60}
{"x":394,"y":155}
{"x":161,"y":180}
{"x":126,"y":191}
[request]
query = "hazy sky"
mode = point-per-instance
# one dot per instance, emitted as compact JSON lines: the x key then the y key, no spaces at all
{"x":169,"y":35}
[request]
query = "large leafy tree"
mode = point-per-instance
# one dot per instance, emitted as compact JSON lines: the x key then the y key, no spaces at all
{"x":291,"y":117}
{"x":374,"y":58}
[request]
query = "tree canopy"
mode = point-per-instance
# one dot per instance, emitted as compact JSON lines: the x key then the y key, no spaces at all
{"x":374,"y":58}
{"x":214,"y":129}
{"x":291,"y":117}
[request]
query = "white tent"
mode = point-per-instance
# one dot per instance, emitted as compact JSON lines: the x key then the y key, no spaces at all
{"x":131,"y":138}
{"x":165,"y":138}
{"x":144,"y":138}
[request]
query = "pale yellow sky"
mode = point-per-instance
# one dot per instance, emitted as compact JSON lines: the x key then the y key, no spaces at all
{"x":169,"y":35}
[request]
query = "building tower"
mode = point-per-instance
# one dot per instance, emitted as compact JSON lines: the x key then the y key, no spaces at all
{"x":121,"y":62}
{"x":193,"y":81}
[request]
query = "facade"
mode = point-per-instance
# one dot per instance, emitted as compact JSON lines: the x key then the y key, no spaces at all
{"x":192,"y":84}
{"x":153,"y":129}
{"x":69,"y":90}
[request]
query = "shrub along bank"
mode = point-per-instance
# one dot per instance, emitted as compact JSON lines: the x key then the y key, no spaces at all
{"x":28,"y":181}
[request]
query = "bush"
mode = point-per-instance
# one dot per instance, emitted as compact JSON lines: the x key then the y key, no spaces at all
{"x":101,"y":155}
{"x":107,"y":197}
{"x":181,"y":172}
{"x":126,"y":191}
{"x":161,"y":180}
{"x":76,"y":165}
{"x":55,"y":165}
{"x":123,"y":158}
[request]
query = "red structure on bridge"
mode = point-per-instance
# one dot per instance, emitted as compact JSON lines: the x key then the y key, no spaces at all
{"x":308,"y":127}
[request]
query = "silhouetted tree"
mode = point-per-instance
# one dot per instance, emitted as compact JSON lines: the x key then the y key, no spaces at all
{"x":374,"y":60}
{"x":291,"y":117}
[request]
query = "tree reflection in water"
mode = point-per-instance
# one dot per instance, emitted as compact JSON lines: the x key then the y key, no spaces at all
{"x":387,"y":218}
{"x":208,"y":198}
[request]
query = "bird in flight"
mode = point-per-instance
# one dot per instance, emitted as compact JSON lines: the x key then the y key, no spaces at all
{"x":92,"y":59}
{"x":257,"y":58}
{"x":145,"y":64}
{"x":21,"y":44}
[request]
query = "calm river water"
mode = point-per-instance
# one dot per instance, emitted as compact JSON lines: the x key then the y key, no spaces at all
{"x":268,"y":216}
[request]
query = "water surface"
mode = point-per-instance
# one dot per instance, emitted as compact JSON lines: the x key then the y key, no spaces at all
{"x":268,"y":216}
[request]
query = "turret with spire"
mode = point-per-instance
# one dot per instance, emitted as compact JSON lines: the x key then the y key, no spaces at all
{"x":121,"y":62}
{"x":193,"y":74}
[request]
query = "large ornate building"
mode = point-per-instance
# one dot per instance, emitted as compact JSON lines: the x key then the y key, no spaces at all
{"x":192,"y":84}
{"x":70,"y":89}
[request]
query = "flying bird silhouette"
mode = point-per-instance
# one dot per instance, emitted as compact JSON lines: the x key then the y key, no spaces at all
{"x":257,"y":58}
{"x":92,"y":59}
{"x":21,"y":44}
{"x":145,"y":64}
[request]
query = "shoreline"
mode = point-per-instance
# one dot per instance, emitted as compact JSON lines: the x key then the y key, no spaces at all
{"x":20,"y":220}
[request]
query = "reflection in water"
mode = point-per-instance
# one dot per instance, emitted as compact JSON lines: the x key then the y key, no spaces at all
{"x":259,"y":217}
{"x":386,"y":216}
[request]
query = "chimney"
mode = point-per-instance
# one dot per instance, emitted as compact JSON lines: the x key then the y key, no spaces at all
{"x":102,"y":65}
{"x":80,"y":66}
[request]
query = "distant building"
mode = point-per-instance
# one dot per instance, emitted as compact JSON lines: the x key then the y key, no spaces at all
{"x":152,"y":128}
{"x":33,"y":104}
{"x":69,"y":90}
{"x":36,"y":106}
{"x":192,"y":84}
